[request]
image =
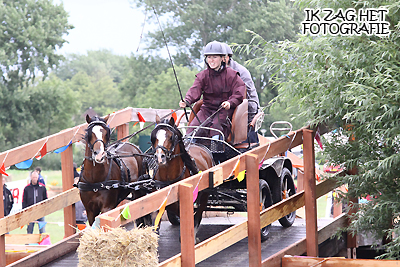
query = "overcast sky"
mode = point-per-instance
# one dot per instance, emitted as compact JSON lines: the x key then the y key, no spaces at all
{"x":110,"y":24}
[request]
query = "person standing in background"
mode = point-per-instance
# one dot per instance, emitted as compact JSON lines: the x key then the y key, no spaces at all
{"x":34,"y":193}
{"x":41,"y":178}
{"x":8,"y":199}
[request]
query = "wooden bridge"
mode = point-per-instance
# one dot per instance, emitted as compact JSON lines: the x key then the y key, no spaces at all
{"x":189,"y":255}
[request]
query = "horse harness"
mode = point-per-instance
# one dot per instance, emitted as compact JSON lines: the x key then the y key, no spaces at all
{"x":169,"y":156}
{"x":143,"y":181}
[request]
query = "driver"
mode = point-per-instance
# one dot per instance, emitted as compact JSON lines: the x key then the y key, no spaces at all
{"x":220,"y":87}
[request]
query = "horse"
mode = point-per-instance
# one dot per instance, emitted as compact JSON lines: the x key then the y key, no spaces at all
{"x":104,"y":173}
{"x":177,"y":162}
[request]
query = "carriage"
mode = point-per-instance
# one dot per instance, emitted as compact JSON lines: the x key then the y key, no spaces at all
{"x":276,"y":182}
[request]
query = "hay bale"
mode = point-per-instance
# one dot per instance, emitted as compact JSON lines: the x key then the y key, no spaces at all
{"x":118,"y":247}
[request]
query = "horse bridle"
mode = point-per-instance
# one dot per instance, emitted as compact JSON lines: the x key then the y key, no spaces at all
{"x":175,"y":139}
{"x":104,"y":125}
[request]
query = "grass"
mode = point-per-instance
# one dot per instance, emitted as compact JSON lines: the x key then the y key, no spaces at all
{"x":55,"y":221}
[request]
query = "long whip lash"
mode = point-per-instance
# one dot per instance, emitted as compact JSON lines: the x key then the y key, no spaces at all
{"x":170,"y":60}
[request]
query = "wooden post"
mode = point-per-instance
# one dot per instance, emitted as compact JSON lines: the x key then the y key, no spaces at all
{"x":122,"y":131}
{"x":2,"y":237}
{"x":67,"y":171}
{"x":253,"y":210}
{"x":310,"y":193}
{"x":187,"y":225}
{"x":352,"y":240}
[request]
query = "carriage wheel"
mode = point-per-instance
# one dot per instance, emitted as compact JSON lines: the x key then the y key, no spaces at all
{"x":287,"y":189}
{"x":173,"y":218}
{"x":265,"y":202}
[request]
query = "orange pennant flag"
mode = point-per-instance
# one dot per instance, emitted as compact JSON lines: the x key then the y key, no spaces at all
{"x":135,"y":124}
{"x":3,"y":170}
{"x":160,"y":212}
{"x":141,"y":119}
{"x":173,"y":115}
{"x":42,"y":151}
{"x":236,"y":171}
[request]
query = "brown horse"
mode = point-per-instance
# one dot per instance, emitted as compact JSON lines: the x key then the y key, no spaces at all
{"x":104,"y":174}
{"x":176,"y":162}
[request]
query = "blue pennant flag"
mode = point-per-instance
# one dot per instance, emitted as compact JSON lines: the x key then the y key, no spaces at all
{"x":62,"y":149}
{"x":25,"y":164}
{"x":41,"y":224}
{"x":96,"y":224}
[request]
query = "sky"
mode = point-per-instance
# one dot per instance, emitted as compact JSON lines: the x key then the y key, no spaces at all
{"x":108,"y":24}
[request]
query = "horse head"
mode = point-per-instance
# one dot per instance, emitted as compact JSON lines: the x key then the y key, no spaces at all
{"x":165,"y":139}
{"x":97,"y":137}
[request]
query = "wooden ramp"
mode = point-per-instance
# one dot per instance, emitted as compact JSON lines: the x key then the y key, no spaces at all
{"x":236,"y":255}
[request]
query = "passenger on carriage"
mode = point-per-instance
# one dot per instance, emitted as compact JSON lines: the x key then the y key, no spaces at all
{"x":220,"y":87}
{"x":251,"y":92}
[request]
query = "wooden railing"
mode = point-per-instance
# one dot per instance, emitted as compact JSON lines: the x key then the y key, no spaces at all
{"x":182,"y":190}
{"x":249,"y":161}
{"x":120,"y":120}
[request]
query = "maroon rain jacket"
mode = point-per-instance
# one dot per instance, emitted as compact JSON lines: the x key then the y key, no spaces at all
{"x":216,"y":87}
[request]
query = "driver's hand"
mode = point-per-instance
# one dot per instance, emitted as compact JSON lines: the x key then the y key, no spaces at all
{"x":226,"y":105}
{"x":182,"y":104}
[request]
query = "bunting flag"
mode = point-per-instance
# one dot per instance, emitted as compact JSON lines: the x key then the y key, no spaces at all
{"x":24,"y":164}
{"x":161,"y":211}
{"x":3,"y":170}
{"x":196,"y":189}
{"x":135,"y":124}
{"x":141,"y":124}
{"x":45,"y":241}
{"x":241,"y":175}
{"x":41,"y":224}
{"x":236,"y":170}
{"x":173,"y":115}
{"x":43,"y":151}
{"x":141,"y":119}
{"x":318,"y":138}
{"x":126,"y":213}
{"x":195,"y":193}
{"x":96,"y":224}
{"x":62,"y":149}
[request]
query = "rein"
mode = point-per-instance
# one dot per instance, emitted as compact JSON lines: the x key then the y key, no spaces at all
{"x":141,"y":130}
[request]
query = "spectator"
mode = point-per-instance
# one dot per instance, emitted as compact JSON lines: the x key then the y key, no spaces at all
{"x":76,"y":173}
{"x":34,"y":193}
{"x":41,"y":178}
{"x":8,"y":199}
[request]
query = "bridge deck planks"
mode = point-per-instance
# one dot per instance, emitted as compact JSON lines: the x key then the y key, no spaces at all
{"x":236,"y":255}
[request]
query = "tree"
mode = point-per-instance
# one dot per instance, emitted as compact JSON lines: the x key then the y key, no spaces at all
{"x":163,"y":92}
{"x":350,"y":83}
{"x":189,"y":25}
{"x":95,"y":64}
{"x":99,"y":93}
{"x":138,"y":75}
{"x":30,"y":33}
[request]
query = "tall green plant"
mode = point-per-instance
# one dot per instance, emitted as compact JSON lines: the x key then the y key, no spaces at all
{"x":351,"y":83}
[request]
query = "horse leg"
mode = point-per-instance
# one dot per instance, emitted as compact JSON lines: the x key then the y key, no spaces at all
{"x":198,"y":215}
